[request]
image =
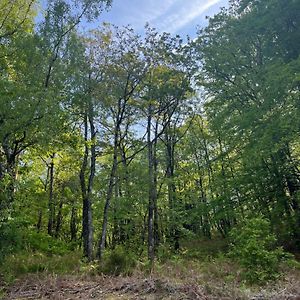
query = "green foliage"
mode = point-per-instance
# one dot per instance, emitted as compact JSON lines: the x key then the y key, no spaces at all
{"x":204,"y":249}
{"x":11,"y":238}
{"x":16,"y":16}
{"x":165,"y":253}
{"x":205,"y":163}
{"x":253,"y":246}
{"x":42,"y":242}
{"x":250,"y":74}
{"x":14,"y":239}
{"x":17,"y":265}
{"x":118,"y":261}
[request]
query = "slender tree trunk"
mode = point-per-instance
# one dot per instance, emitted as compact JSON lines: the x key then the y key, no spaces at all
{"x":9,"y":168}
{"x":87,"y":229}
{"x":116,"y":235}
{"x":228,"y":220}
{"x":40,"y":220}
{"x":2,"y":169}
{"x":173,"y":230}
{"x":109,"y":194}
{"x":59,"y":218}
{"x":155,"y":173}
{"x":51,"y":204}
{"x":91,"y":178}
{"x":39,"y":223}
{"x":120,"y":116}
{"x":73,"y":227}
{"x":152,"y":193}
{"x":205,"y":221}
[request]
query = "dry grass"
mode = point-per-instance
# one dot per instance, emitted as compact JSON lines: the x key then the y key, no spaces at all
{"x":183,"y":277}
{"x":173,"y":280}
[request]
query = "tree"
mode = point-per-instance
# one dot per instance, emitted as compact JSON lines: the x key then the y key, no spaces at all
{"x":166,"y":85}
{"x":124,"y":74}
{"x":251,"y":101}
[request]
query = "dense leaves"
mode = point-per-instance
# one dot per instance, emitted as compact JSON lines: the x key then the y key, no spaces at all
{"x":113,"y":140}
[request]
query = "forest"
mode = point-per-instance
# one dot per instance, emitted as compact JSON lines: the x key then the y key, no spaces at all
{"x":153,"y":166}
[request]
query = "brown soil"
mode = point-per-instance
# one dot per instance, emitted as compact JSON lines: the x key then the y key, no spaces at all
{"x":153,"y":287}
{"x":110,"y":288}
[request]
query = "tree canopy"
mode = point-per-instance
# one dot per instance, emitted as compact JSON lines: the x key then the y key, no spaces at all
{"x":109,"y":138}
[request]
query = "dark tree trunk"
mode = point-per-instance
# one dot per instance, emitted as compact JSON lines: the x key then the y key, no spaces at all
{"x":116,"y":234}
{"x":39,"y":221}
{"x":86,"y":188}
{"x":59,"y":218}
{"x":9,"y":168}
{"x":73,"y":222}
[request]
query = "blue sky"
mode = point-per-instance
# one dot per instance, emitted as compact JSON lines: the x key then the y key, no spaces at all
{"x":174,"y":16}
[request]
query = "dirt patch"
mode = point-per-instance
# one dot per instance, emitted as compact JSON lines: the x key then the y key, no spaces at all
{"x":150,"y":288}
{"x":110,"y":288}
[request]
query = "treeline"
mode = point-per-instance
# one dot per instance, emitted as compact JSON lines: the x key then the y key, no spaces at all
{"x":111,"y":138}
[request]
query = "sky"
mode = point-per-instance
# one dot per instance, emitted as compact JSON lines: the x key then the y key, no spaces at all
{"x":174,"y":16}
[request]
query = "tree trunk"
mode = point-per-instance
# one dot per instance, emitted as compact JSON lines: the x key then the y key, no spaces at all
{"x":59,"y":218}
{"x":51,"y":204}
{"x":73,"y":227}
{"x":109,"y":193}
{"x":152,"y":192}
{"x":173,"y":229}
{"x":86,"y":189}
{"x":40,"y":220}
{"x":155,"y":172}
{"x":9,"y":168}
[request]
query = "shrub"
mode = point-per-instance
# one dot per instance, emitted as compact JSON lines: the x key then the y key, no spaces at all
{"x":11,"y":240}
{"x":42,"y":242}
{"x":253,"y":246}
{"x":118,"y":261}
{"x":17,"y":236}
{"x":17,"y":265}
{"x":165,"y":253}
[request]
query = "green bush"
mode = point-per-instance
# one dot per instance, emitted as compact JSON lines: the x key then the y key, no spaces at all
{"x":16,"y":236}
{"x":253,"y":246}
{"x":17,"y":265}
{"x":165,"y":253}
{"x":42,"y":242}
{"x":11,"y":237}
{"x":118,"y":261}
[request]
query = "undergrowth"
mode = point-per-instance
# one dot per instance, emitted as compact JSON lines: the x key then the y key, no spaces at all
{"x":118,"y":262}
{"x":200,"y":263}
{"x":18,"y":265}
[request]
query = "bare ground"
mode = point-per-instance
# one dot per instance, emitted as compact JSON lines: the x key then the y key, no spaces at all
{"x":137,"y":287}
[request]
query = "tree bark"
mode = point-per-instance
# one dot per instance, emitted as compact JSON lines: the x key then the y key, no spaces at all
{"x":86,"y":188}
{"x":51,"y":204}
{"x":109,"y":193}
{"x":59,"y":218}
{"x":73,"y":227}
{"x":152,"y":192}
{"x":170,"y":166}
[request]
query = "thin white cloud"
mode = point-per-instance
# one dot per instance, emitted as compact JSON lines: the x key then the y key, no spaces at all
{"x":175,"y":20}
{"x":165,"y":15}
{"x":142,"y":12}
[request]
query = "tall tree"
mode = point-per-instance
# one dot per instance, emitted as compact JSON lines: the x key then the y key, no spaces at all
{"x":250,"y":76}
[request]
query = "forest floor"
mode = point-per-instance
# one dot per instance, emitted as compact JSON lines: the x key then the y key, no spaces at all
{"x":156,"y":286}
{"x":198,"y":273}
